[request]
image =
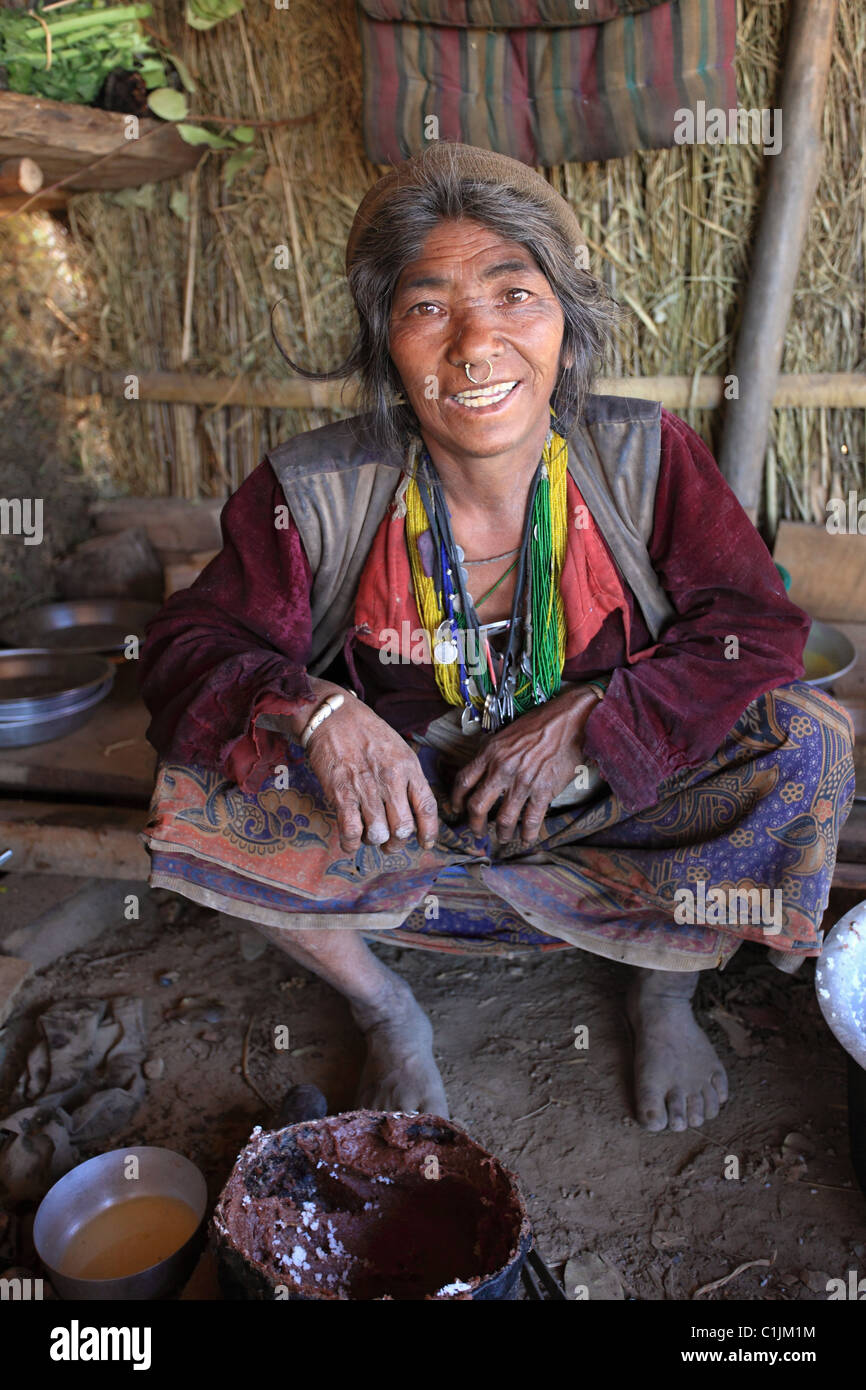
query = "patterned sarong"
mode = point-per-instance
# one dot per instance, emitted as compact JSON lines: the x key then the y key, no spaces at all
{"x":741,"y":848}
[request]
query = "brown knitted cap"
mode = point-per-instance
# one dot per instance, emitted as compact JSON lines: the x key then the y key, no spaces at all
{"x":485,"y":165}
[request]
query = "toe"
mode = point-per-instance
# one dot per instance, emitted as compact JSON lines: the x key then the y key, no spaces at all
{"x":676,"y":1110}
{"x":651,"y":1110}
{"x":720,"y":1082}
{"x":695,"y":1110}
{"x":711,"y":1102}
{"x":435,"y":1103}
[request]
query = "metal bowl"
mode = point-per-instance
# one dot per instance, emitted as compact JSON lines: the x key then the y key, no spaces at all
{"x":79,"y":625}
{"x":828,"y":655}
{"x":46,"y":694}
{"x":103,"y":1182}
{"x":21,"y":733}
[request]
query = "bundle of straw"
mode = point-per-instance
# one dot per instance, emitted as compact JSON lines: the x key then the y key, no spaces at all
{"x":670,"y":232}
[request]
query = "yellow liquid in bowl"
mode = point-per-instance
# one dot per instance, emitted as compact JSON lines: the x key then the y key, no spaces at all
{"x":817,"y":666}
{"x":128,"y":1237}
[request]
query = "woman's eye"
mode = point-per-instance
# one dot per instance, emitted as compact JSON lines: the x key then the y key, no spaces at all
{"x":421,"y":307}
{"x":517,"y":291}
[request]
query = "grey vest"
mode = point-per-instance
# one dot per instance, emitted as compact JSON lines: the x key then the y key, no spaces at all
{"x":338,"y":486}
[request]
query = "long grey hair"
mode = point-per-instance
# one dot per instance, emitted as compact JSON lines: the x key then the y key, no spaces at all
{"x":397,"y":238}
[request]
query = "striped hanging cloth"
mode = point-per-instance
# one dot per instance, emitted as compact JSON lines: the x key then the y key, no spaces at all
{"x":541,"y":80}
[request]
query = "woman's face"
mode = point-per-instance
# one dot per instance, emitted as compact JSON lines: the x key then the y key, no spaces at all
{"x":472,"y":296}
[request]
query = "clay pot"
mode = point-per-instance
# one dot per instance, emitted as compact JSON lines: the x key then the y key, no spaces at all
{"x":369,"y":1205}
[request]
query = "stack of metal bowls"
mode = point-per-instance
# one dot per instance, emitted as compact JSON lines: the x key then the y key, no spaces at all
{"x":62,"y":663}
{"x":45,"y":694}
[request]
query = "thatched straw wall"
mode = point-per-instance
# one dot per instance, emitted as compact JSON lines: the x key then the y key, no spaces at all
{"x":670,"y":230}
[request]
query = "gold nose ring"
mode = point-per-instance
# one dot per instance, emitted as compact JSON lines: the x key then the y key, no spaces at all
{"x":466,"y":366}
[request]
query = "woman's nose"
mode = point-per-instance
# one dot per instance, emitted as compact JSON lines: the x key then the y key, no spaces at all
{"x":474,"y":337}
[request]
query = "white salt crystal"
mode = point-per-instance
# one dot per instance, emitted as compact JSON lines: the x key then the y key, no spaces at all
{"x":457,"y":1287}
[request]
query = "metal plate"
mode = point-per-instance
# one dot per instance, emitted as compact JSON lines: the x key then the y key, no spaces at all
{"x":80,"y":625}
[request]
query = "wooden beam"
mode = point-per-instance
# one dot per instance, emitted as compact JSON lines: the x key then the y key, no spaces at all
{"x":65,"y":139}
{"x":39,"y":202}
{"x":80,"y":840}
{"x":841,"y":390}
{"x":791,"y":182}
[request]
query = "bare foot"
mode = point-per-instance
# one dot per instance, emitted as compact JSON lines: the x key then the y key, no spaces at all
{"x":399,"y":1072}
{"x":679,"y":1080}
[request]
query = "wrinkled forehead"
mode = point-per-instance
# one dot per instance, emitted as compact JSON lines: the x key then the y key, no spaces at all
{"x":457,"y":251}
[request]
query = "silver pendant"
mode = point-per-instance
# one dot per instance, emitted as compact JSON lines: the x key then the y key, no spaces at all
{"x":445,"y":653}
{"x":469,"y":720}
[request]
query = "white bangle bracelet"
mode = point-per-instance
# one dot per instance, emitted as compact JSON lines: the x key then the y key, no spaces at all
{"x":324,"y":712}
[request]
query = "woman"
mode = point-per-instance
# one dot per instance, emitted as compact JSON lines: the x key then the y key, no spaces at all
{"x":499,"y":665}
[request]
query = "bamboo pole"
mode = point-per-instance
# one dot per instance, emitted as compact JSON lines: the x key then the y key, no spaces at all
{"x":837,"y":390}
{"x":791,"y":183}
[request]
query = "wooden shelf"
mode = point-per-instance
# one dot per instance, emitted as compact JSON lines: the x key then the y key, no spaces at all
{"x":64,"y":138}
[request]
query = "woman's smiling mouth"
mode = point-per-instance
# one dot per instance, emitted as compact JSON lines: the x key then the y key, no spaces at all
{"x":486,"y":398}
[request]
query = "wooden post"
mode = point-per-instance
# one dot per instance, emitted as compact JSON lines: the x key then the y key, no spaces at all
{"x":20,"y":176}
{"x":791,"y":182}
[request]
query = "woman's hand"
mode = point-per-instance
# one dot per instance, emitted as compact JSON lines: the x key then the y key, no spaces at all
{"x":371,"y":777}
{"x":528,"y":764}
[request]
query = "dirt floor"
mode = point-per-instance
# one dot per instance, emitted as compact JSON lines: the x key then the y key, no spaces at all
{"x":640,"y":1216}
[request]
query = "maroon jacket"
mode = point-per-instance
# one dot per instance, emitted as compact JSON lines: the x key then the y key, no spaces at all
{"x":243,"y":630}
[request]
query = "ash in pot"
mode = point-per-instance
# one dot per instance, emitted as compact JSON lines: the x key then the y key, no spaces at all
{"x":366,"y":1205}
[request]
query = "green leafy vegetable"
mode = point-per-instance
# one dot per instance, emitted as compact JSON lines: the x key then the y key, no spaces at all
{"x":88,"y":40}
{"x":92,"y":37}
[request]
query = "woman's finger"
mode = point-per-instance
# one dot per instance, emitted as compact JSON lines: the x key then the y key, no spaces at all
{"x":375,"y":816}
{"x":401,"y":820}
{"x":425,"y":808}
{"x":483,"y":798}
{"x":533,"y":818}
{"x":510,"y":811}
{"x":350,"y":825}
{"x":467,"y":778}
